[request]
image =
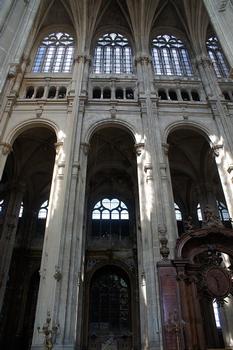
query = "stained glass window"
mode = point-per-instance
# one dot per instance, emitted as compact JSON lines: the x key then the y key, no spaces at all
{"x":223,"y":212}
{"x":43,"y":212}
{"x":177,"y":212}
{"x":112,"y":55}
{"x":170,"y":56}
{"x":217,"y":57}
{"x":110,"y":219}
{"x":109,"y":301}
{"x":55,"y":54}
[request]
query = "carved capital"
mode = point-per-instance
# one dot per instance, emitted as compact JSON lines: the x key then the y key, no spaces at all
{"x":149,"y":171}
{"x":58,"y":146}
{"x":57,"y":275}
{"x":143,"y":60}
{"x":216,"y":148}
{"x":6,"y":148}
{"x":139,"y":148}
{"x":82,"y":59}
{"x":223,"y":5}
{"x":85,"y":147}
{"x":165,"y":147}
{"x":13,"y":70}
{"x":203,"y":60}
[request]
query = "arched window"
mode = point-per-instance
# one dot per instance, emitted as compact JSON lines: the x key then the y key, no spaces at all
{"x":43,"y":212}
{"x":199,"y":213}
{"x":2,"y":204}
{"x":55,"y":54}
{"x":216,"y":314}
{"x":112,"y":55}
{"x":223,"y":212}
{"x":217,"y":57}
{"x":178,"y":212}
{"x":109,"y":301}
{"x":170,"y":56}
{"x":110,"y":219}
{"x":21,"y":210}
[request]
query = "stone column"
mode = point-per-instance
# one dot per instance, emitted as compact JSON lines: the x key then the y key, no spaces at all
{"x":149,"y":251}
{"x":7,"y":240}
{"x":222,"y":143}
{"x":61,"y":267}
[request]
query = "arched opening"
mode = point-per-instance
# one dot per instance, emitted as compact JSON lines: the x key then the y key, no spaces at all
{"x":111,"y":200}
{"x":110,"y":308}
{"x":195,"y":180}
{"x":107,"y":93}
{"x":40,"y":92}
{"x":62,"y":92}
{"x":195,"y":95}
{"x":96,"y":92}
{"x":162,"y":94}
{"x":25,"y":183}
{"x":52,"y":92}
{"x":129,"y":94}
{"x":30,"y":92}
{"x":185,"y":95}
{"x":173,"y":95}
{"x":119,"y":94}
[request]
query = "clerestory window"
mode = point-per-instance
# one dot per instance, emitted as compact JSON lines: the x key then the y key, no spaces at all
{"x":43,"y":212}
{"x":223,"y":212}
{"x":217,"y":57}
{"x":177,"y":212}
{"x":112,"y":54}
{"x":55,"y":54}
{"x":170,"y":56}
{"x":110,"y":219}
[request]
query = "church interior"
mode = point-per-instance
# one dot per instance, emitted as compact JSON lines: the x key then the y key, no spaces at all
{"x":116,"y":173}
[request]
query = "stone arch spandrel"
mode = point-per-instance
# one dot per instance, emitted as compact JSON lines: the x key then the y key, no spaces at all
{"x":30,"y":124}
{"x":200,"y":129}
{"x":128,"y":128}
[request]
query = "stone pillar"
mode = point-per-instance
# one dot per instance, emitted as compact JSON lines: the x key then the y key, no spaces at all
{"x":149,"y":200}
{"x":61,"y":267}
{"x":221,"y":13}
{"x":7,"y":240}
{"x":222,"y":143}
{"x":147,"y":244}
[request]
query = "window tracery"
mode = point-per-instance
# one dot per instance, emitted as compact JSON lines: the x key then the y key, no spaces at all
{"x":223,"y":212}
{"x":112,"y":54}
{"x":2,"y":205}
{"x":178,"y":212}
{"x":110,"y":219}
{"x":43,"y":212}
{"x":21,"y":210}
{"x":55,"y":54}
{"x":170,"y":56}
{"x":110,"y":209}
{"x":217,"y":57}
{"x":110,"y":299}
